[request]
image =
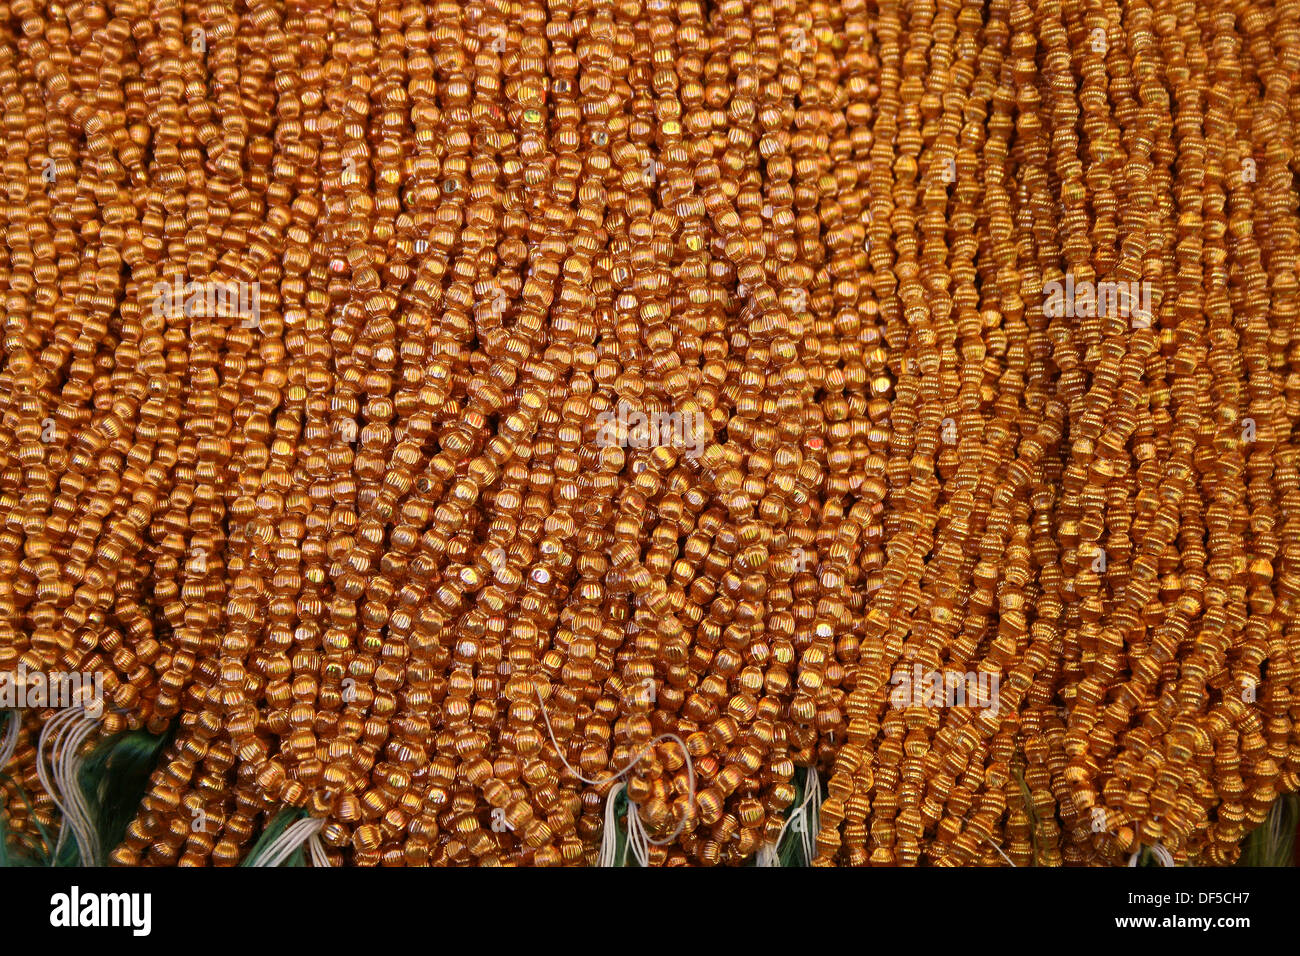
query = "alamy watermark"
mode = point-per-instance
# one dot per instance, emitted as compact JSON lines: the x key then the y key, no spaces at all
{"x":1087,"y":299}
{"x":55,"y":689}
{"x":629,"y":428}
{"x":77,"y":909}
{"x":922,"y":688}
{"x":211,"y":299}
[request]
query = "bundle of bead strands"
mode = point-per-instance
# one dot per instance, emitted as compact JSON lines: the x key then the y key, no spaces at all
{"x":444,"y":418}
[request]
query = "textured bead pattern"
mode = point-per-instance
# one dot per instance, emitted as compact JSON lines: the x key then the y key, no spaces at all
{"x":421,"y":407}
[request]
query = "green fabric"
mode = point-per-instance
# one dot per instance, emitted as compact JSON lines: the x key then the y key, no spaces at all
{"x":279,"y":823}
{"x":1272,"y":843}
{"x":791,"y":854}
{"x":115,"y":778}
{"x":620,"y":832}
{"x":790,"y":851}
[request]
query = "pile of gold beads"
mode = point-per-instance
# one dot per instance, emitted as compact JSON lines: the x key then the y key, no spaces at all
{"x":423,"y":409}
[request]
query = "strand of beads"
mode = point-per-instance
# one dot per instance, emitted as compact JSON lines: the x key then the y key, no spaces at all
{"x":683,"y":378}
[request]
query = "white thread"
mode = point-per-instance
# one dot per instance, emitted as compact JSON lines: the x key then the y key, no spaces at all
{"x":59,"y":742}
{"x":1162,"y":856}
{"x":69,"y":767}
{"x":288,"y":842}
{"x":47,"y":782}
{"x":638,"y":841}
{"x":808,"y":812}
{"x":999,"y":849}
{"x":48,"y":731}
{"x":70,"y":764}
{"x":1275,"y":816}
{"x":608,"y":837}
{"x":10,"y":742}
{"x":319,"y":858}
{"x":813,"y":815}
{"x":632,"y":807}
{"x":57,"y":745}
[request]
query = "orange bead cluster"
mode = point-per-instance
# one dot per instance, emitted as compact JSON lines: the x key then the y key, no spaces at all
{"x":972,"y":326}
